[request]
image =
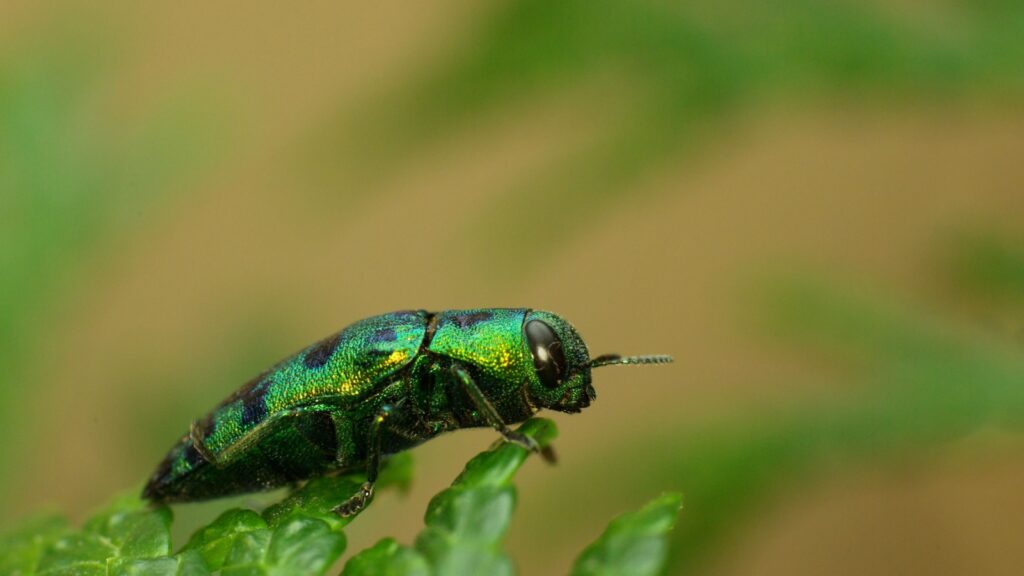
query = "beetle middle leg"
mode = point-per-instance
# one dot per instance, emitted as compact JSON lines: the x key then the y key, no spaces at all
{"x":485,"y":407}
{"x":360,"y":499}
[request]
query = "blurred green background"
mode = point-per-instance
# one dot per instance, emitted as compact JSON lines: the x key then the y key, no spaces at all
{"x":814,"y":206}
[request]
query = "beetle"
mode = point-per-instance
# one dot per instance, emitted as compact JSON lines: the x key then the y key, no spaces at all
{"x":380,"y":386}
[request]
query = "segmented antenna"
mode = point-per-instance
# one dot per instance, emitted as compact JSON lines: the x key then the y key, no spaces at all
{"x":613,"y":359}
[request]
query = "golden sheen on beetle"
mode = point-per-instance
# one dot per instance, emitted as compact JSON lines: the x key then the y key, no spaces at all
{"x":380,"y":386}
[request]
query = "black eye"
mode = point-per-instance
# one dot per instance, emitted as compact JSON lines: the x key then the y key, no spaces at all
{"x":548,"y":356}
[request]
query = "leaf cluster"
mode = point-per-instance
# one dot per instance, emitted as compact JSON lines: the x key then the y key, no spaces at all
{"x":463,"y":532}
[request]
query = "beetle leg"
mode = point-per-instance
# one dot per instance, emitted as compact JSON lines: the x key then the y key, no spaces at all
{"x":360,"y":499}
{"x":485,"y":407}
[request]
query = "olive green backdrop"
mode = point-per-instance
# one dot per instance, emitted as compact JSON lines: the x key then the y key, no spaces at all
{"x":814,"y":206}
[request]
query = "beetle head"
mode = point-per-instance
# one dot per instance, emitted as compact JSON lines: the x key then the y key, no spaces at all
{"x":561,"y":377}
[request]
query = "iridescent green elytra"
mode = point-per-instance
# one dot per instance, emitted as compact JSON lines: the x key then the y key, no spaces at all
{"x":380,"y":386}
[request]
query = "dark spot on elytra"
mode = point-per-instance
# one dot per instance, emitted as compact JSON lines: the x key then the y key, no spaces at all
{"x":254,"y":410}
{"x":319,"y":354}
{"x":384,"y":335}
{"x":472,"y":319}
{"x":253,"y":396}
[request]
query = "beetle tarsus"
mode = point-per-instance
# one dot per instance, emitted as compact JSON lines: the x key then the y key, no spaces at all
{"x":356,"y":502}
{"x":521,"y":440}
{"x":545,"y":452}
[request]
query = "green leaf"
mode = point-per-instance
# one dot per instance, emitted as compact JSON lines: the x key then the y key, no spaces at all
{"x":20,"y":551}
{"x":82,"y":554}
{"x":318,"y":497}
{"x":466,"y":522}
{"x":497,"y":466}
{"x":478,"y":515}
{"x":125,"y":531}
{"x":299,"y":546}
{"x":186,"y":564}
{"x":136,"y":534}
{"x":635,"y":544}
{"x":387,"y":558}
{"x":214,"y":541}
{"x":301,"y":535}
{"x":247,"y":555}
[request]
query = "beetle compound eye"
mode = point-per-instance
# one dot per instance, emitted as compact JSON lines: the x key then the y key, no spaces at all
{"x":548,"y":356}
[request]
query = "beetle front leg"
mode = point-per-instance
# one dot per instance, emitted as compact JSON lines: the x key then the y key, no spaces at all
{"x":485,"y":407}
{"x":360,"y":499}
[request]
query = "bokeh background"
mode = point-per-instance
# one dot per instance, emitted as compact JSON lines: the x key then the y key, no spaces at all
{"x":815,"y":206}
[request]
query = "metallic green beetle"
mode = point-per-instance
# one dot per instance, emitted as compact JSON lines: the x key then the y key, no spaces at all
{"x":380,"y":386}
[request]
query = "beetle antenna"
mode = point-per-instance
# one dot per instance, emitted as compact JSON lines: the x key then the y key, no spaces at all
{"x":613,"y":359}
